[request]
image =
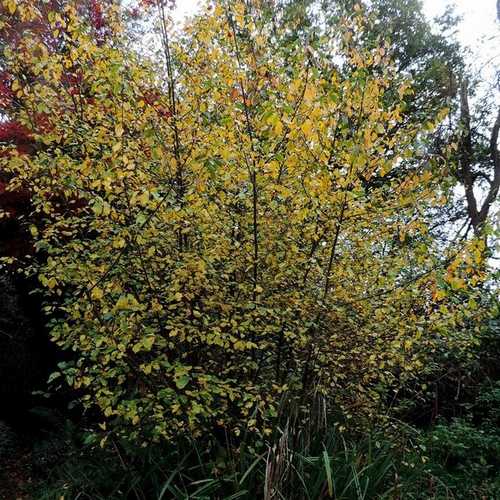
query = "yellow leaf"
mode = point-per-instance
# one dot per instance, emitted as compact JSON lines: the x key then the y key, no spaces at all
{"x":122,"y":303}
{"x":126,"y":302}
{"x":456,"y":283}
{"x":274,"y":168}
{"x":309,"y":94}
{"x":119,"y":130}
{"x":97,"y":293}
{"x":143,"y":198}
{"x":278,"y":128}
{"x":11,"y":6}
{"x":368,"y":138}
{"x":106,"y":209}
{"x":306,"y":127}
{"x":119,"y":243}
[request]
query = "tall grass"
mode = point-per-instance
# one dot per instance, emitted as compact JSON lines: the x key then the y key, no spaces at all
{"x":293,"y":465}
{"x":305,"y":458}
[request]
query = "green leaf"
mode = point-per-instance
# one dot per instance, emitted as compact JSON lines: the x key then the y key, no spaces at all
{"x":182,"y":381}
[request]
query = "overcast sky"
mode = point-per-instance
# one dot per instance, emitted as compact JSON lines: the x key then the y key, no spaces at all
{"x":479,"y":30}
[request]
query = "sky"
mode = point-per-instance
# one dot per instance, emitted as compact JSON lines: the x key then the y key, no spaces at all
{"x":479,"y":17}
{"x":479,"y":30}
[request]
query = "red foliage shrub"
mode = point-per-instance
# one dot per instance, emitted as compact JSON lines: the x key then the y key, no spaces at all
{"x":96,"y":15}
{"x":6,"y":93}
{"x":16,"y":134}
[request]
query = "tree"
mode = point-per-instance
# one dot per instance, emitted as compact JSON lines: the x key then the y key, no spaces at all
{"x":477,"y":162}
{"x":211,"y":243}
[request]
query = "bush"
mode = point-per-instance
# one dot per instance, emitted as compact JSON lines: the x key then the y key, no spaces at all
{"x":465,"y":455}
{"x":240,"y":233}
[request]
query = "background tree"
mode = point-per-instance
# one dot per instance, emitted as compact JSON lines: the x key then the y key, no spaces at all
{"x":479,"y":160}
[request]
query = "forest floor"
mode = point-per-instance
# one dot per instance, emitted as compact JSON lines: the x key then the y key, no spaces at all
{"x":16,"y":477}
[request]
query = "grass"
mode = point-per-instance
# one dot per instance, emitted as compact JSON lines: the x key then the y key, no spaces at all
{"x":328,"y":466}
{"x":456,"y":459}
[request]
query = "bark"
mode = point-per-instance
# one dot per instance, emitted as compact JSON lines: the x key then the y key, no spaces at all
{"x":478,"y":213}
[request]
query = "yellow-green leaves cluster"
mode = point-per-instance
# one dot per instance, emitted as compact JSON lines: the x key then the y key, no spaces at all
{"x":237,"y":229}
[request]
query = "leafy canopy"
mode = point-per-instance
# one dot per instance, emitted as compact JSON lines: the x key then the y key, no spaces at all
{"x":208,"y":225}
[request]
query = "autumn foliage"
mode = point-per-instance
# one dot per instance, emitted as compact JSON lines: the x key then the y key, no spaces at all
{"x":244,"y":232}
